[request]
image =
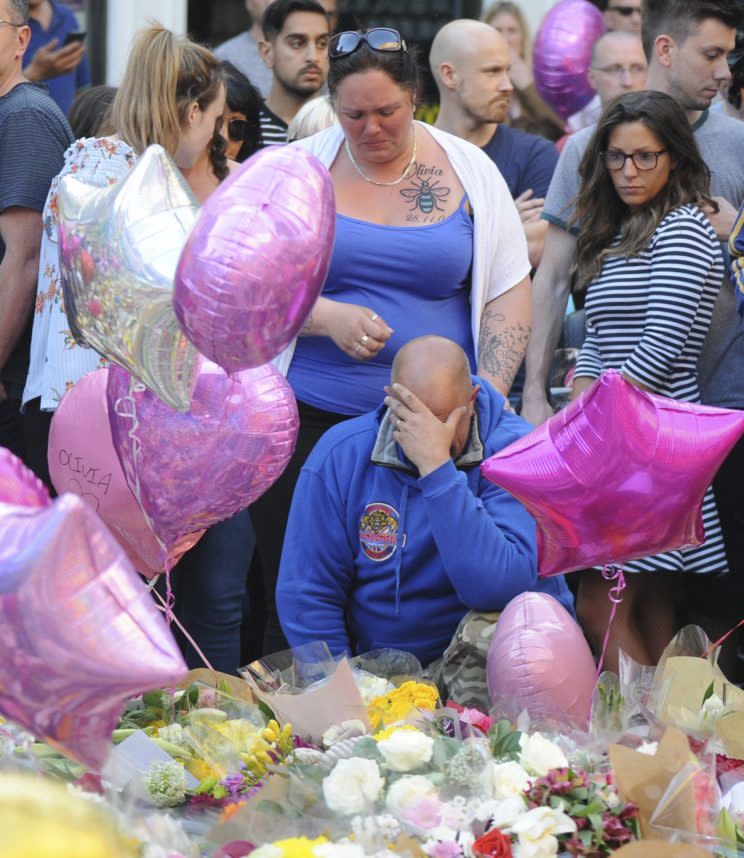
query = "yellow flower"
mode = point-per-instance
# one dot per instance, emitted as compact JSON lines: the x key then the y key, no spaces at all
{"x":300,"y":847}
{"x":241,"y":734}
{"x":387,"y":733}
{"x":201,"y":770}
{"x":399,"y":703}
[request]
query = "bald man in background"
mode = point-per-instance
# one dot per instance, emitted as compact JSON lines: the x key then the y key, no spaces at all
{"x":394,"y":535}
{"x":470,"y":62}
{"x":618,"y":65}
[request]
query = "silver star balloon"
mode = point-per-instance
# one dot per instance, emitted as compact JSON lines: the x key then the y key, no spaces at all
{"x":119,"y":247}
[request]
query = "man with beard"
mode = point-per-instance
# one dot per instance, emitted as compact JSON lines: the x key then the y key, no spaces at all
{"x":295,"y":48}
{"x":470,"y":63}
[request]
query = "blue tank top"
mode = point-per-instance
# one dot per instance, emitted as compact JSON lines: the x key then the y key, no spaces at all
{"x":415,"y":278}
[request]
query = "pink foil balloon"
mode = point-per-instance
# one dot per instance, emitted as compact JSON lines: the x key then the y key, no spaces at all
{"x":257,"y":258}
{"x":79,"y":632}
{"x":616,"y":475}
{"x":83,"y":461}
{"x":563,"y":53}
{"x":539,"y":660}
{"x":195,"y":469}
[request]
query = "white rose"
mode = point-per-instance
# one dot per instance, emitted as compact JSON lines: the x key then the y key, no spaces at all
{"x":338,"y":850}
{"x":537,"y":830}
{"x":506,"y":812}
{"x":713,"y":707}
{"x":404,"y":750}
{"x":407,"y":791}
{"x":352,"y":786}
{"x":502,"y":780}
{"x":539,"y":756}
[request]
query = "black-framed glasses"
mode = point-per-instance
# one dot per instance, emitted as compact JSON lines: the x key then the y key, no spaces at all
{"x":237,"y":129}
{"x":615,"y":159}
{"x":379,"y":39}
{"x":625,"y":11}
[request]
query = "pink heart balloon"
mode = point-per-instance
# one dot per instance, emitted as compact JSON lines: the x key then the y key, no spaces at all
{"x":194,"y":469}
{"x":19,"y":485}
{"x":79,"y":632}
{"x":617,"y":475}
{"x":83,"y":461}
{"x":257,"y":258}
{"x":539,"y":660}
{"x":563,"y":53}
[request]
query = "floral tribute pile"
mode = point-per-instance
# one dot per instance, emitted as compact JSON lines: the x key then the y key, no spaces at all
{"x":216,"y":769}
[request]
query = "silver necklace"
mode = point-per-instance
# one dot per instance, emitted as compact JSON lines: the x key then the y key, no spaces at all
{"x":403,"y":175}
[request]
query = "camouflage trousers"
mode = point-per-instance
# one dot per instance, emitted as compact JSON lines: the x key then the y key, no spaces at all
{"x":460,"y":674}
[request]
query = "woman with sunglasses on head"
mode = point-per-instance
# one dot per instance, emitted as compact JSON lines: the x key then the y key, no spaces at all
{"x":652,"y":265}
{"x":428,"y":241}
{"x":173,"y":94}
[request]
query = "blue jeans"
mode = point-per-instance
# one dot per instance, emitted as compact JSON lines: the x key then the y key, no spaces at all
{"x":209,"y":585}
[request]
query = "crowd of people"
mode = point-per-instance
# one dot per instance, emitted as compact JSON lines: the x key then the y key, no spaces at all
{"x":457,"y":248}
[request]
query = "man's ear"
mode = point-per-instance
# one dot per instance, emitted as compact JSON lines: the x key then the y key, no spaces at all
{"x":266,"y":50}
{"x":474,"y":394}
{"x":448,"y":76}
{"x":664,"y":47}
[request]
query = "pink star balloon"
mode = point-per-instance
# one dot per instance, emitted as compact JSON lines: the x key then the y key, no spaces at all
{"x":79,"y":633}
{"x":191,"y":470}
{"x":618,"y":474}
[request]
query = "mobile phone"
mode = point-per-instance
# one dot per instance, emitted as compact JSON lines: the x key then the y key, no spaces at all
{"x":74,"y":37}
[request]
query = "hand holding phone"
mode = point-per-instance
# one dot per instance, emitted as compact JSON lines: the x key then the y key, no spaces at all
{"x":70,"y":38}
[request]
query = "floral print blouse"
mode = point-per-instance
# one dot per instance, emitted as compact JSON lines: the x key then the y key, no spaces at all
{"x":57,"y":361}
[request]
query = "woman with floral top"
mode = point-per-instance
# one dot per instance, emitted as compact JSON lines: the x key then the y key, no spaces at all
{"x":173,"y":94}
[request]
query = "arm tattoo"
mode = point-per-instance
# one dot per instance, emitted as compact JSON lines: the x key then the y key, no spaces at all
{"x":501,"y":347}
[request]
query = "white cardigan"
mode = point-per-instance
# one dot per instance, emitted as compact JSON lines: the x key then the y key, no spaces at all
{"x":500,"y":259}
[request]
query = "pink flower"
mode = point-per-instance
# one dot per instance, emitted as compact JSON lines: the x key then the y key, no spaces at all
{"x":477,"y":719}
{"x":446,"y":849}
{"x":425,"y":814}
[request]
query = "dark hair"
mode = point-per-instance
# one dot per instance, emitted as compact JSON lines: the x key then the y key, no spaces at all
{"x":401,"y":67}
{"x":243,"y":97}
{"x":90,"y":110}
{"x":20,"y":7}
{"x":678,"y":18}
{"x":599,"y":211}
{"x":276,"y":14}
{"x":736,"y":66}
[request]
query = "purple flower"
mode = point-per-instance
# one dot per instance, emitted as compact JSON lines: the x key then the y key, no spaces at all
{"x":446,"y":849}
{"x":425,"y":814}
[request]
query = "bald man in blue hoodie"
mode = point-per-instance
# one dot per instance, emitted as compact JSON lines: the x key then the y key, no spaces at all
{"x":394,"y":535}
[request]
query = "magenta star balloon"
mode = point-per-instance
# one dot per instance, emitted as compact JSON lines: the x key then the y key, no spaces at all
{"x":191,"y":470}
{"x":539,"y":660}
{"x":18,"y":485}
{"x":79,"y":632}
{"x":617,"y":475}
{"x":257,"y":258}
{"x":563,"y":52}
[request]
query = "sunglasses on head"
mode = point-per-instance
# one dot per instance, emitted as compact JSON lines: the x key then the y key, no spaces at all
{"x":626,"y":11}
{"x":379,"y":39}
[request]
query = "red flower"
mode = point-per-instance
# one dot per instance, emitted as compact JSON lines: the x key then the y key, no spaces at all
{"x":493,"y":844}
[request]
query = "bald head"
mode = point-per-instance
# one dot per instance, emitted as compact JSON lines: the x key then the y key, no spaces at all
{"x":436,"y":370}
{"x":458,"y":42}
{"x":470,"y":62}
{"x":618,"y":65}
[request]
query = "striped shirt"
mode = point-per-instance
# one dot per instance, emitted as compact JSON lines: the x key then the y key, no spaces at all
{"x":273,"y":128}
{"x":647,"y":316}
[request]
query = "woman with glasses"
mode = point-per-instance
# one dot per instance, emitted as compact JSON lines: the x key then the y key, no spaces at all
{"x":428,"y":241}
{"x":652,"y":265}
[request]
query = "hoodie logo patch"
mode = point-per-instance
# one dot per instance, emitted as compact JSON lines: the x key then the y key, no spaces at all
{"x":378,"y":531}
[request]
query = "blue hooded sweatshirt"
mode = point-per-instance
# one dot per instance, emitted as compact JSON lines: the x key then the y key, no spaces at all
{"x":375,"y":556}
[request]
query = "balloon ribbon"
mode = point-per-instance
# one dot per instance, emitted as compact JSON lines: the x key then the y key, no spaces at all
{"x":722,"y":639}
{"x":610,"y":573}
